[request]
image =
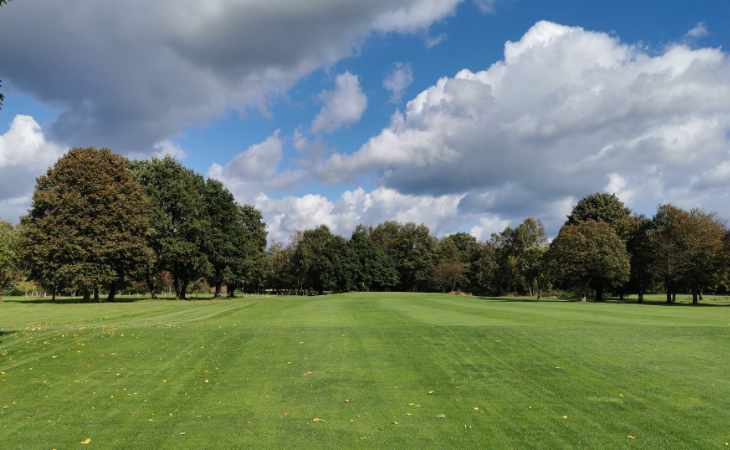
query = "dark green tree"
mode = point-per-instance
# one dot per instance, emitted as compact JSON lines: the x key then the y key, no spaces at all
{"x":413,"y":249}
{"x":372,"y":269}
{"x":320,"y":260}
{"x":179,"y":218}
{"x":248,"y":266}
{"x":8,"y":255}
{"x":589,"y":255}
{"x":602,"y":207}
{"x":88,"y":225}
{"x":223,"y":235}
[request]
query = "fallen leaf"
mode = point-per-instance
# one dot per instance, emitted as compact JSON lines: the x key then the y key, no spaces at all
{"x":441,"y":416}
{"x":86,"y":441}
{"x":631,"y":436}
{"x":317,"y":420}
{"x":430,"y":392}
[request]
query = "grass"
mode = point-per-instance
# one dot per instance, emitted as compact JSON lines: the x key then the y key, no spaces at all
{"x":364,"y":370}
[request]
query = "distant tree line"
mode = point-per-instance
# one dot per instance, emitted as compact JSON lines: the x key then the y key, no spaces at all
{"x":101,"y":224}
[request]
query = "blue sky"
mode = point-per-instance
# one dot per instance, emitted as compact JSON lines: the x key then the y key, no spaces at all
{"x":230,"y":98}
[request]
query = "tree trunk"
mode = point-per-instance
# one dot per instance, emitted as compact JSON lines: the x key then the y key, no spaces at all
{"x":621,"y":295}
{"x":669,"y":297}
{"x":641,"y":296}
{"x":181,"y":287}
{"x":231,"y":288}
{"x":599,"y":294}
{"x":218,"y":288}
{"x":695,"y":297}
{"x":112,"y":292}
{"x":87,"y":295}
{"x":674,"y":297}
{"x":96,"y":294}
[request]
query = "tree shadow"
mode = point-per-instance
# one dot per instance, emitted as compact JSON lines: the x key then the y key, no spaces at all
{"x":525,"y":299}
{"x":118,"y":300}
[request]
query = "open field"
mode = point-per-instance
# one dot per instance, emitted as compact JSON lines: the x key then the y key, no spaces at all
{"x":364,"y":370}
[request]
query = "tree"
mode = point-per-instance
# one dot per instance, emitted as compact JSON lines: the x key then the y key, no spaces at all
{"x":88,"y":225}
{"x":687,"y":250}
{"x":589,"y":255}
{"x":602,"y":207}
{"x":412,"y":248}
{"x":447,"y":274}
{"x":248,"y":264}
{"x":320,"y":261}
{"x":8,"y":255}
{"x":372,"y":269}
{"x":668,"y":247}
{"x":705,"y":251}
{"x":640,"y":252}
{"x":180,"y":220}
{"x":519,"y":253}
{"x":222,"y":234}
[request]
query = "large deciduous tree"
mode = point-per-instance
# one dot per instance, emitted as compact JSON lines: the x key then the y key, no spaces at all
{"x":589,"y":255}
{"x":603,"y":207}
{"x":179,"y":218}
{"x":249,"y":241}
{"x":687,"y":250}
{"x":222,"y":234}
{"x":88,"y":225}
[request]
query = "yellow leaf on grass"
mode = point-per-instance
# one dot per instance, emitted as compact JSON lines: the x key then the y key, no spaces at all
{"x":317,"y":420}
{"x":86,"y":441}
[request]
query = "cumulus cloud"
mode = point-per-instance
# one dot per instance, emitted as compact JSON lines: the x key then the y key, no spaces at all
{"x":398,"y":80}
{"x":342,"y":106}
{"x":285,"y":216}
{"x":155,"y":68}
{"x":256,"y":170}
{"x":25,"y":153}
{"x":567,"y":112}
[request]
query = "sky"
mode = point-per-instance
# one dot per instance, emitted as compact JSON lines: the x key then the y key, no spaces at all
{"x":465,"y":115}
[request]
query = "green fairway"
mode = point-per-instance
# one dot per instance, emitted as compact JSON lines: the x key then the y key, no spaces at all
{"x":363,"y":370}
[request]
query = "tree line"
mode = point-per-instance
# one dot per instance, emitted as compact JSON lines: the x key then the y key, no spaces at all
{"x":101,"y":224}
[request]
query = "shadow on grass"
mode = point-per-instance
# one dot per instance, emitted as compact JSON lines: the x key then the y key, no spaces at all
{"x":709,"y":303}
{"x":81,"y":301}
{"x":525,"y":299}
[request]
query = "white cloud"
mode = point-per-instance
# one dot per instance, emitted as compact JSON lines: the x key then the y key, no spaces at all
{"x":25,"y":153}
{"x":698,"y":31}
{"x":487,"y":226}
{"x":567,"y":112}
{"x":256,"y":170}
{"x":192,"y":60}
{"x":342,"y":106}
{"x":169,"y":148}
{"x":286,"y":216}
{"x":398,"y":80}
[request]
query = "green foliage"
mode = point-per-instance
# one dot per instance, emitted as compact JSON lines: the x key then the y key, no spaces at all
{"x":87,"y":228}
{"x":373,"y":269}
{"x":322,"y":261}
{"x":8,"y":255}
{"x":602,"y":207}
{"x":249,"y":265}
{"x":412,"y":248}
{"x":589,"y":255}
{"x":687,"y":250}
{"x":180,"y":220}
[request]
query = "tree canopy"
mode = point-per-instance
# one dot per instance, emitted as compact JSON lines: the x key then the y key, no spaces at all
{"x":86,"y":228}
